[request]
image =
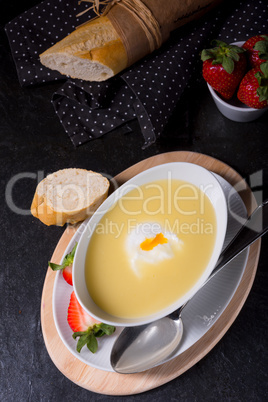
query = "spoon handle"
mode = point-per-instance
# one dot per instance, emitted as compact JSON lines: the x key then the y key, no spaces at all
{"x":254,"y":227}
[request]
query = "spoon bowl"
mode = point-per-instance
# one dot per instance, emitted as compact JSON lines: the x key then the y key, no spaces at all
{"x":151,"y":343}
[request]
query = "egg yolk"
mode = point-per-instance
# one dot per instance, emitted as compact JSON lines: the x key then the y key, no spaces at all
{"x":149,"y":244}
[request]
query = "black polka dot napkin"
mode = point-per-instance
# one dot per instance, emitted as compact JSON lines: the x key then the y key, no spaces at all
{"x":147,"y":91}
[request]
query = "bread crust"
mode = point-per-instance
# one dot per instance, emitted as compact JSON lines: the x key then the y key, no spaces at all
{"x":93,"y":52}
{"x":45,"y":209}
{"x":111,"y":55}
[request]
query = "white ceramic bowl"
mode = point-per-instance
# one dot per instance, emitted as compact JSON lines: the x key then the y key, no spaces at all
{"x":188,"y":172}
{"x":233,"y":109}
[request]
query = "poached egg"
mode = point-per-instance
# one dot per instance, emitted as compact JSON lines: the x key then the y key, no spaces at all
{"x":150,"y":243}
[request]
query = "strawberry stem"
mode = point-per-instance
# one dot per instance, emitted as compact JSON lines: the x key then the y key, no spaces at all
{"x":89,"y":337}
{"x":262,"y":47}
{"x":222,"y":54}
{"x":68,"y":260}
{"x":262,"y":77}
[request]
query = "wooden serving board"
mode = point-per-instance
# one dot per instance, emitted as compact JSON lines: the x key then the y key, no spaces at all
{"x":111,"y":383}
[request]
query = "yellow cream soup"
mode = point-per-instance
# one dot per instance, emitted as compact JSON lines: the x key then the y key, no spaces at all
{"x":150,"y":248}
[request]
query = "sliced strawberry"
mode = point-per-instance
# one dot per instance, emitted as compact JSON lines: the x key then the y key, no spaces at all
{"x":253,"y":89}
{"x":66,"y":266}
{"x":224,"y":67}
{"x":85,"y":327}
{"x":77,"y":318}
{"x":257,"y":49}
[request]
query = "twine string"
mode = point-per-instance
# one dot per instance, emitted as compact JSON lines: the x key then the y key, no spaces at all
{"x":100,"y":7}
{"x":138,"y":10}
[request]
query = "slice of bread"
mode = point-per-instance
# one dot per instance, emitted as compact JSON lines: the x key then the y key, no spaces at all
{"x":69,"y":196}
{"x":93,"y":52}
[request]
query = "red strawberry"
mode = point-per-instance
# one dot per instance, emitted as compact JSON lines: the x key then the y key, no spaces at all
{"x":77,"y":318}
{"x":66,"y":266}
{"x":85,"y":327}
{"x":253,"y":89}
{"x":257,"y":49}
{"x":224,"y":67}
{"x":67,"y":274}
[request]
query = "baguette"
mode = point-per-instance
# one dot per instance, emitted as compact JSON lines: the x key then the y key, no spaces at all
{"x":93,"y":52}
{"x":129,"y":31}
{"x":69,"y":196}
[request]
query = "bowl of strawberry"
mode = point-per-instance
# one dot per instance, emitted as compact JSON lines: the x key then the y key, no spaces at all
{"x":237,"y":77}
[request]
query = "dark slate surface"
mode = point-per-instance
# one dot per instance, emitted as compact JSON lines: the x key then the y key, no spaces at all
{"x":32,"y":144}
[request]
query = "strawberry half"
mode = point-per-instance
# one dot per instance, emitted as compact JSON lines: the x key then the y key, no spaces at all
{"x":66,"y":266}
{"x":224,"y":67}
{"x":253,"y":89}
{"x":257,"y":50}
{"x":85,"y":327}
{"x":67,"y":274}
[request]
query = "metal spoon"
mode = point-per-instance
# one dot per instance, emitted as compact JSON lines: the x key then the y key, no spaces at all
{"x":143,"y":347}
